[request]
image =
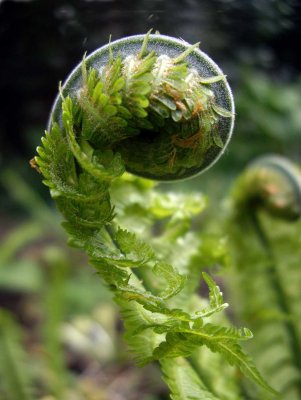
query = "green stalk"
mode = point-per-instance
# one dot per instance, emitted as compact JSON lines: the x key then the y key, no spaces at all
{"x":281,"y":297}
{"x":54,"y":312}
{"x":14,"y":378}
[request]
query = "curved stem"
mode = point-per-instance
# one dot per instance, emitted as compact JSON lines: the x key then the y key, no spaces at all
{"x":110,"y":231}
{"x":282,"y":300}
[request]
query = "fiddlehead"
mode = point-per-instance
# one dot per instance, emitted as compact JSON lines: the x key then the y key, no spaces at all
{"x":265,"y":233}
{"x":271,"y":183}
{"x":154,"y":93}
{"x":160,"y":108}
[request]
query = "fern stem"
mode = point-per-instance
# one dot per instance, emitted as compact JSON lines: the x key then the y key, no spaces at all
{"x":276,"y":283}
{"x":111,"y":232}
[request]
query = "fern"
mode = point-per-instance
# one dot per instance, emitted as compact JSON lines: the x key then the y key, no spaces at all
{"x":83,"y":157}
{"x":265,"y":241}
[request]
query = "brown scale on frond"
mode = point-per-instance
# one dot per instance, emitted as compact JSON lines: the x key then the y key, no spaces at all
{"x":180,"y":105}
{"x":172,"y":158}
{"x":174,"y":93}
{"x":190,"y":142}
{"x":198,"y":108}
{"x":33,"y":163}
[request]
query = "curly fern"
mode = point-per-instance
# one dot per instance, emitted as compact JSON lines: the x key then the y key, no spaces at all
{"x":265,"y":229}
{"x":131,"y":107}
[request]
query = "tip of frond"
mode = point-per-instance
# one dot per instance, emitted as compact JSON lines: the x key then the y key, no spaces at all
{"x":185,"y":53}
{"x":144,"y":44}
{"x":84,"y":68}
{"x":61,"y":90}
{"x":110,"y":50}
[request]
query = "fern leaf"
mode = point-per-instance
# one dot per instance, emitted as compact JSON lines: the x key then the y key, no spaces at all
{"x":135,"y":251}
{"x":141,"y":338}
{"x":235,"y":356}
{"x":183,"y":382}
{"x":174,"y":282}
{"x":215,"y":296}
{"x":216,"y":339}
{"x":90,"y":165}
{"x":174,"y":345}
{"x":56,"y":163}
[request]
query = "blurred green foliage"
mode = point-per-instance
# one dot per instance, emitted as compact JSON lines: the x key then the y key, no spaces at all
{"x":268,"y":117}
{"x":63,"y":322}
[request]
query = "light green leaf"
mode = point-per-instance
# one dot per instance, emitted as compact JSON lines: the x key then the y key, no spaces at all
{"x":212,"y":79}
{"x":174,"y":282}
{"x":183,"y":381}
{"x":222,"y":111}
{"x":215,"y":296}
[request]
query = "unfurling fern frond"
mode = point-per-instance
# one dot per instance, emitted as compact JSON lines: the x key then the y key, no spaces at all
{"x":138,"y":104}
{"x":265,"y":237}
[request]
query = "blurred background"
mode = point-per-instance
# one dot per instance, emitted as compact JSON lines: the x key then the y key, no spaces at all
{"x":46,"y":288}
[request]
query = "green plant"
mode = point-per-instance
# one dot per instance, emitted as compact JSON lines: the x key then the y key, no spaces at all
{"x":163,"y":97}
{"x":264,"y":235}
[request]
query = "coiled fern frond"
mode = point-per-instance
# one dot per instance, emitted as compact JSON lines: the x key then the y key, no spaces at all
{"x":265,"y":236}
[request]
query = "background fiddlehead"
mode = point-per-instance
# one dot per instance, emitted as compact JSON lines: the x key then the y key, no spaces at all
{"x":265,"y":239}
{"x":158,"y":107}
